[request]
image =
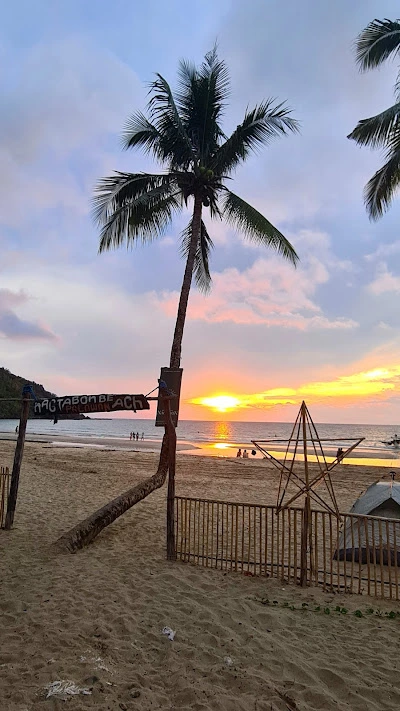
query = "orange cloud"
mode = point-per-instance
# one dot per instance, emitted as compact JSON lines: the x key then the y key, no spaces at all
{"x":377,"y":382}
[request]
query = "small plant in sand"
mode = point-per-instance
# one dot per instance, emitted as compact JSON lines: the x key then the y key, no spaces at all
{"x":327,"y":610}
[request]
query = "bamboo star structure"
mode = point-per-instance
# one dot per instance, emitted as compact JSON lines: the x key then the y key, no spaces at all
{"x":305,"y":441}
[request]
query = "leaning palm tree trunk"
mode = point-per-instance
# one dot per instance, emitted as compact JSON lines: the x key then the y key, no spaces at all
{"x":86,"y":531}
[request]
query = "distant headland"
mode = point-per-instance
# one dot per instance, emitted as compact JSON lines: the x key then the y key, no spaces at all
{"x":11,"y":387}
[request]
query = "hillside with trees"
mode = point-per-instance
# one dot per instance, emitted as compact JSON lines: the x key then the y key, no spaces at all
{"x":11,"y":387}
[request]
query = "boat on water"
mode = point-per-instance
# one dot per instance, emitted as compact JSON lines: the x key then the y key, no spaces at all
{"x":395,"y":442}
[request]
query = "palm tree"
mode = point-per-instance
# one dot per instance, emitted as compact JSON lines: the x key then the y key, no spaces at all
{"x":376,"y":43}
{"x":183,"y":132}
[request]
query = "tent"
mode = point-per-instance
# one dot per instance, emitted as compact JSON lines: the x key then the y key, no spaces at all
{"x":360,"y":537}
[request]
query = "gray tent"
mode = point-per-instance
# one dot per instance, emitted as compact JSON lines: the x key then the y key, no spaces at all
{"x":361,"y":537}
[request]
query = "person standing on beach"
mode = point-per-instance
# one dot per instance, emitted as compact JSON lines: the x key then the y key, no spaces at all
{"x":142,"y":437}
{"x":245,"y":454}
{"x":239,"y":453}
{"x":137,"y":436}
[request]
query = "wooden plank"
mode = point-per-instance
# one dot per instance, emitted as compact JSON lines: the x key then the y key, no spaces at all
{"x":337,"y":557}
{"x":295,"y":523}
{"x":374,"y":556}
{"x":237,"y":536}
{"x":324,"y":548}
{"x":208,"y":532}
{"x":352,"y":549}
{"x":330,"y":549}
{"x":389,"y":555}
{"x":316,"y":560}
{"x":381,"y":558}
{"x":282,"y":575}
{"x":289,"y":557}
{"x":249,"y":541}
{"x":273,"y":521}
{"x":243,"y":530}
{"x":396,"y":578}
{"x":212,"y":533}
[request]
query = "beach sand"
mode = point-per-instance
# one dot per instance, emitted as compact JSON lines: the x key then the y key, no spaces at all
{"x":96,"y":618}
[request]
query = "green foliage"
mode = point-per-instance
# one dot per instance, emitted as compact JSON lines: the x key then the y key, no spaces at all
{"x":182,"y":130}
{"x":11,"y":387}
{"x":201,"y":265}
{"x":376,"y":43}
{"x":338,"y":609}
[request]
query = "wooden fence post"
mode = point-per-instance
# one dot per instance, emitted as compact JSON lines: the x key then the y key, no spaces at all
{"x":19,"y":451}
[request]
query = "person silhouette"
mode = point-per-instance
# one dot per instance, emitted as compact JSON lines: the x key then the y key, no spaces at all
{"x":239,"y":453}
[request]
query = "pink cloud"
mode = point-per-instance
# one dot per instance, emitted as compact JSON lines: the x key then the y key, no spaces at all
{"x":384,"y":282}
{"x":269,"y":292}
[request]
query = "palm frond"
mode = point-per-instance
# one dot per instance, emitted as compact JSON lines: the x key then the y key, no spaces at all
{"x":139,"y":220}
{"x":201,"y":264}
{"x":256,"y":227}
{"x":121,"y":188}
{"x":164,"y":114}
{"x":377,"y":42}
{"x":380,"y":190}
{"x":139,"y":132}
{"x":260,"y":125}
{"x":201,"y":98}
{"x":131,"y":206}
{"x":378,"y":130}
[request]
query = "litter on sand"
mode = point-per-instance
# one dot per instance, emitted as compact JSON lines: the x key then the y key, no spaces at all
{"x":170,"y":633}
{"x":65,"y":688}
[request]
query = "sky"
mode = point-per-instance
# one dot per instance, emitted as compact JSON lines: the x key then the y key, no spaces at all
{"x":268,"y":335}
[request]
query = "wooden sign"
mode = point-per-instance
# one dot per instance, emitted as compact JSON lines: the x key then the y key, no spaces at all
{"x":85,"y":404}
{"x":172,"y":378}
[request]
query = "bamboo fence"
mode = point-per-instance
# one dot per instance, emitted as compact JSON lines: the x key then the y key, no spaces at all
{"x":257,"y":540}
{"x":4,"y":493}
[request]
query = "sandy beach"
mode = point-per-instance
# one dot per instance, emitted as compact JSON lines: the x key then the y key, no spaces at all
{"x":95,"y":619}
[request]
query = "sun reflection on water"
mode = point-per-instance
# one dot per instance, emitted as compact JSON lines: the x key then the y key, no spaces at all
{"x":222,"y":430}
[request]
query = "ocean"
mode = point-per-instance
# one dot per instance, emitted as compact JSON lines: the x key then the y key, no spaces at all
{"x":222,"y":436}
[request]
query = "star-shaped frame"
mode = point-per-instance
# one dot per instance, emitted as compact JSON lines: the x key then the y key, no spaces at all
{"x":304,"y":440}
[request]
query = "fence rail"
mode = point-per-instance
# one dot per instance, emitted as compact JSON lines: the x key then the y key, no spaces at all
{"x":355,"y":554}
{"x":4,"y":492}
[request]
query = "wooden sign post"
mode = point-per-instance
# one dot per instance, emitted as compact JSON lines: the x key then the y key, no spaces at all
{"x":19,"y":451}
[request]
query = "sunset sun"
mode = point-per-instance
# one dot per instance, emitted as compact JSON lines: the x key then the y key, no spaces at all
{"x":219,"y":403}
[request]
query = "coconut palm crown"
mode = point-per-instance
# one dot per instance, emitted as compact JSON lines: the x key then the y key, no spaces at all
{"x":379,"y":41}
{"x":182,"y":130}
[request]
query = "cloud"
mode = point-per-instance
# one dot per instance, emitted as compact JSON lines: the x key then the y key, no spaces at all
{"x":384,"y":250}
{"x":270,"y":291}
{"x":384,"y":282}
{"x":372,"y":385}
{"x":15,"y":328}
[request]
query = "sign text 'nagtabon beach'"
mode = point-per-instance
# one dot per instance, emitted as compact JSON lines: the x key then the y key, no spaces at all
{"x":76,"y":404}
